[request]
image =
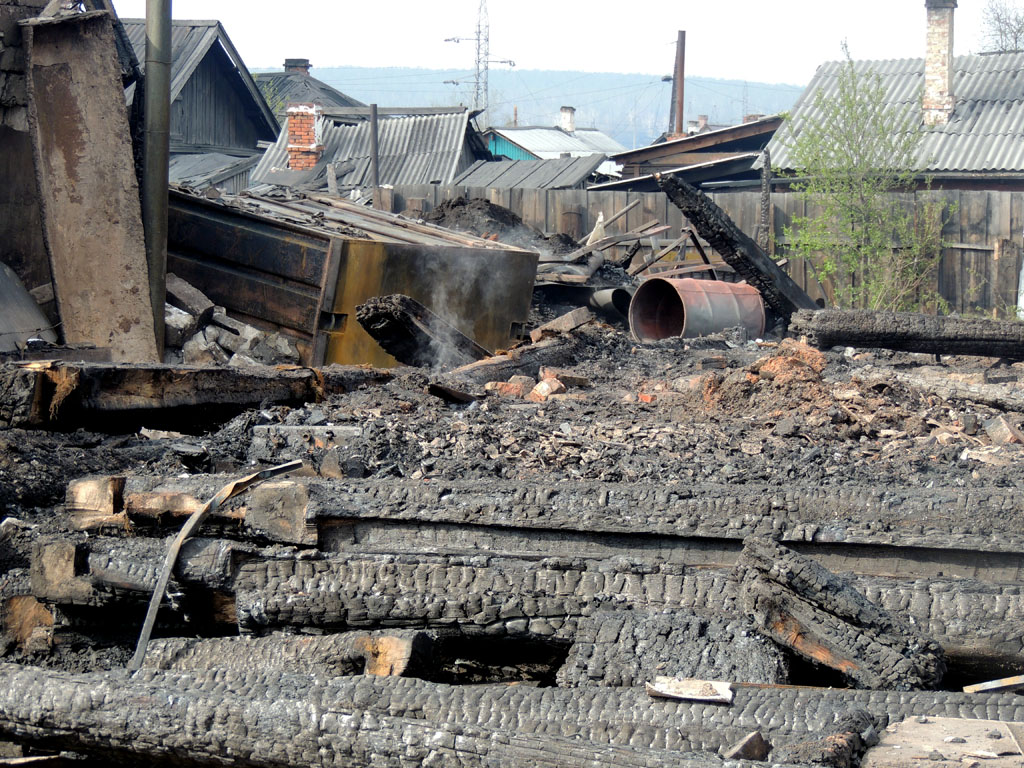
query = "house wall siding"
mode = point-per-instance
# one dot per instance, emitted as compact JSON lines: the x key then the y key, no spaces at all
{"x":210,"y":110}
{"x":499,"y":145}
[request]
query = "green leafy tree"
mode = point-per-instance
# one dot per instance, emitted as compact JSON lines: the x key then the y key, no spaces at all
{"x":871,"y":238}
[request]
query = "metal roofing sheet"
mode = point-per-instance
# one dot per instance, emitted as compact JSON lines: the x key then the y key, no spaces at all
{"x":984,"y":134}
{"x":549,"y":143}
{"x":283,"y":88}
{"x":563,"y":173}
{"x":412,"y":149}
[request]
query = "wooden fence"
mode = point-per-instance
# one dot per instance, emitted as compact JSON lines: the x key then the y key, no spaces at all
{"x":978,"y":274}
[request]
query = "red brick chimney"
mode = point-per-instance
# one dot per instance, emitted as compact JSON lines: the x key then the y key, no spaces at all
{"x":938,"y":102}
{"x":304,"y":145}
{"x":297,"y":65}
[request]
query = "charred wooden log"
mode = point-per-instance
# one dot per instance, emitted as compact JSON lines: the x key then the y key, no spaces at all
{"x":107,"y":571}
{"x":629,"y":648}
{"x":384,"y":652}
{"x":739,"y":251}
{"x":504,"y":596}
{"x":803,"y":606}
{"x":911,"y":332}
{"x":561,"y":351}
{"x":414,"y":335}
{"x":218,"y":717}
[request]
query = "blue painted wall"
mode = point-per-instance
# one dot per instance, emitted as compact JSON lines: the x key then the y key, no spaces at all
{"x":499,"y":145}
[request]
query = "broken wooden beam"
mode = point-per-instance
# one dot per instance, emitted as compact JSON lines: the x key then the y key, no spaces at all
{"x":106,"y":571}
{"x":739,"y":251}
{"x":911,"y":332}
{"x":275,"y":511}
{"x":414,"y":335}
{"x":803,"y":606}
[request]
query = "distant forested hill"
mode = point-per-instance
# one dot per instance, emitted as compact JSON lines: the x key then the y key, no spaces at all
{"x":634,"y":109}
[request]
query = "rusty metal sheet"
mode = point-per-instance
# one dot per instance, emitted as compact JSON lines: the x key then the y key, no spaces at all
{"x":485,"y":294}
{"x":92,"y":221}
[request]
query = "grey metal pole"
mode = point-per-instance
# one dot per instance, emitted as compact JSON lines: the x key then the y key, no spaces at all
{"x":156,"y":157}
{"x":375,"y":156}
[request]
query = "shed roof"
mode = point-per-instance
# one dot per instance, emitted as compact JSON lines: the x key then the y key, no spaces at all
{"x":563,"y":173}
{"x":283,"y":88}
{"x":726,"y":139}
{"x":412,"y":149}
{"x":190,"y":42}
{"x":985,"y":134}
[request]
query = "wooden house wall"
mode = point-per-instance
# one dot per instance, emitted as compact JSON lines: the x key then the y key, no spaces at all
{"x":211,"y":109}
{"x":978,"y":274}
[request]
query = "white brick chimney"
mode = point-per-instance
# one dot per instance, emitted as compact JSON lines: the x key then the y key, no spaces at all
{"x":569,"y":119}
{"x":937,"y":105}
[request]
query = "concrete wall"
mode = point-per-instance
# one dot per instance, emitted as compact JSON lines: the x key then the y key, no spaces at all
{"x":21,"y":232}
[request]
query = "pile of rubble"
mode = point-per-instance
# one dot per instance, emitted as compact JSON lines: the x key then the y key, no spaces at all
{"x":198,"y":333}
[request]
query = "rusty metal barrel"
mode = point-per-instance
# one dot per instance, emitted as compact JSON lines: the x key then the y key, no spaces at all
{"x":664,"y":308}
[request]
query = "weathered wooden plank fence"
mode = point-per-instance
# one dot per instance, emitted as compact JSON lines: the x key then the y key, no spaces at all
{"x":979,"y":272}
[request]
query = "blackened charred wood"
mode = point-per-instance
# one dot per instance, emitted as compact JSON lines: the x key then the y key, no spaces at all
{"x":218,"y":717}
{"x":105,"y":571}
{"x":414,"y":335}
{"x":911,"y":332}
{"x":560,"y":351}
{"x":803,"y":606}
{"x":282,"y":722}
{"x":383,"y":652}
{"x":739,"y":250}
{"x":504,"y":596}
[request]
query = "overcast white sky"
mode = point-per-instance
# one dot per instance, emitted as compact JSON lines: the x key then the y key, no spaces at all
{"x":772,"y":41}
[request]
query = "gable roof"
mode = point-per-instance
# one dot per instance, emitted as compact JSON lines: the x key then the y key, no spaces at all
{"x":283,"y":88}
{"x":412,"y":149}
{"x":190,"y":42}
{"x":553,"y":142}
{"x":984,"y":135}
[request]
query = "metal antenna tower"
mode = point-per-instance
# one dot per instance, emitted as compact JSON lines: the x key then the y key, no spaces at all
{"x":481,"y":88}
{"x":481,"y":91}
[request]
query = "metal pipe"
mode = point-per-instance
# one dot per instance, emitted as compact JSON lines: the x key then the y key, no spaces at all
{"x":374,"y":149}
{"x":664,"y":308}
{"x":156,"y":158}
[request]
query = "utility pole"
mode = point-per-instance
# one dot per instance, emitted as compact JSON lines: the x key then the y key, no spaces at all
{"x":675,"y":118}
{"x":481,"y":88}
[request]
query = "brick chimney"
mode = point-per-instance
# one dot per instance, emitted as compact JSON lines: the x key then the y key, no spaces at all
{"x":297,"y":65}
{"x":304,"y":140}
{"x":937,"y":105}
{"x":569,"y":119}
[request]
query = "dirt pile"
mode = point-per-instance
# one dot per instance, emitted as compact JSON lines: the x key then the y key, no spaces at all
{"x":485,"y":219}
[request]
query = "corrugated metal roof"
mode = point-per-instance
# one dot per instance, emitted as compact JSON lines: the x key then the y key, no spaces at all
{"x":334,"y":217}
{"x":190,"y":42}
{"x":548,"y":143}
{"x":412,"y":149}
{"x":563,"y":173}
{"x":984,"y":134}
{"x":207,"y":169}
{"x":283,"y":88}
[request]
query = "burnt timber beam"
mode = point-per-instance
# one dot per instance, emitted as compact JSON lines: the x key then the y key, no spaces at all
{"x":222,"y":718}
{"x":911,"y":332}
{"x":739,"y":251}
